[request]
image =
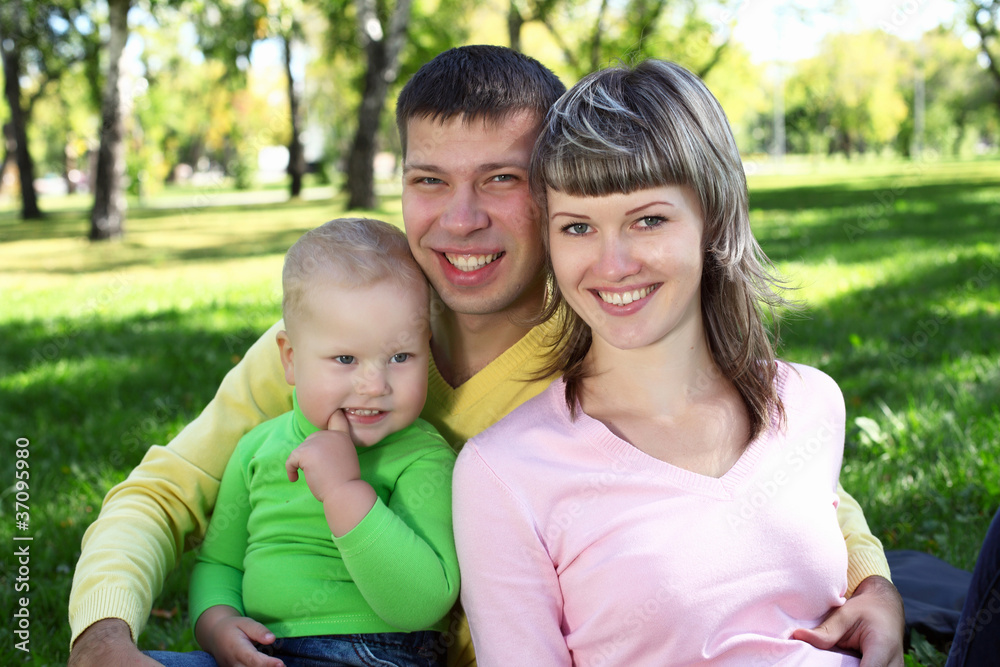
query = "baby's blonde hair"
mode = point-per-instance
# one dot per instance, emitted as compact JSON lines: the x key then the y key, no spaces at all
{"x":355,"y":252}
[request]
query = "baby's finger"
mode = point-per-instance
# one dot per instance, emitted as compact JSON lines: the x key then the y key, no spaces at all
{"x":338,"y":422}
{"x":292,"y":465}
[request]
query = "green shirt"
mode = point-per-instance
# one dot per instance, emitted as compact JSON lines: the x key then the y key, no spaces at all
{"x":269,"y":552}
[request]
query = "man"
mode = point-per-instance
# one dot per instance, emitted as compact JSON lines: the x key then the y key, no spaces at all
{"x":467,"y":121}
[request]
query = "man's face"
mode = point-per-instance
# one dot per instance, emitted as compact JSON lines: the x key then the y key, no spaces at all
{"x":469,"y":217}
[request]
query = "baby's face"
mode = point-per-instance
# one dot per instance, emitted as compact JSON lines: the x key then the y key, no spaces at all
{"x":364,"y":351}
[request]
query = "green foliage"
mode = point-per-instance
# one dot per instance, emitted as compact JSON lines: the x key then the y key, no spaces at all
{"x":858,"y":95}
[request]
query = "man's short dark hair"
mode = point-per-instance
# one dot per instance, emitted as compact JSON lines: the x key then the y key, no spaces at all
{"x":477,"y":82}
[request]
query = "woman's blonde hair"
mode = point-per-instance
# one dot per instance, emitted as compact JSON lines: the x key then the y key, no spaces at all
{"x":630,"y":128}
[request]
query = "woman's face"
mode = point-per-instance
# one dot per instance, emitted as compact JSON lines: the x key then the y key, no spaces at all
{"x":630,"y":264}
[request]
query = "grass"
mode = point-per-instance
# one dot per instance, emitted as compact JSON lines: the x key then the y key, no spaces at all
{"x":107,"y":349}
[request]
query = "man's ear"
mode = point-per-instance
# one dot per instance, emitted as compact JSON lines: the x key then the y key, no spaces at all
{"x":286,"y":352}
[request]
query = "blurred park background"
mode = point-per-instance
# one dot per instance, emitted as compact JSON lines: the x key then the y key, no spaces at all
{"x":161,"y":155}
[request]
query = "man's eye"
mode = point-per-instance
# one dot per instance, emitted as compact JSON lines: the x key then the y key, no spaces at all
{"x":400,"y":357}
{"x":427,"y":180}
{"x":504,"y":178}
{"x":344,"y":359}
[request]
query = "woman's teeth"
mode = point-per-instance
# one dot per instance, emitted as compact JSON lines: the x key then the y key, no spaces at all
{"x":624,"y":298}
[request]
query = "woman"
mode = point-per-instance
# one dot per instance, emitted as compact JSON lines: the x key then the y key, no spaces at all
{"x":672,"y":499}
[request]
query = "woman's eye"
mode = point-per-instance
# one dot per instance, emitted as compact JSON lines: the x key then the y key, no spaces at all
{"x":577,"y":228}
{"x":651,"y":221}
{"x":400,"y":357}
{"x":344,"y":359}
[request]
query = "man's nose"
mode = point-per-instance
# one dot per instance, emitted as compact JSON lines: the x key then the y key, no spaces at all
{"x":464,"y":211}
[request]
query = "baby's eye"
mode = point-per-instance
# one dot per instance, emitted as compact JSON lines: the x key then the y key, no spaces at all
{"x":400,"y":357}
{"x":344,"y":359}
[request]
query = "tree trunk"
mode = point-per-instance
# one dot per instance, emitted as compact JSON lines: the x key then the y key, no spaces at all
{"x":18,"y":122}
{"x":10,"y":148}
{"x":514,"y":24}
{"x":296,"y":154}
{"x":382,"y":53}
{"x":107,"y":219}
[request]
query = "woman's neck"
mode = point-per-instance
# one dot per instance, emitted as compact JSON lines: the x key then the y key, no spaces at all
{"x":658,"y":379}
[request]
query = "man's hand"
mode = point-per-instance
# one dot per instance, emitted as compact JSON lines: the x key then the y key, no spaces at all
{"x":107,"y":643}
{"x":329,"y":461}
{"x":230,"y":638}
{"x":871,"y":621}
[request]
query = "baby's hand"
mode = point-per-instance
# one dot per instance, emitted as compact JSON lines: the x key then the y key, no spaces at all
{"x":229,"y":638}
{"x":327,"y":458}
{"x":330,"y":463}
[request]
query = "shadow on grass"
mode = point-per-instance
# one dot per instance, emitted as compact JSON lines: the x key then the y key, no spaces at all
{"x":918,"y":357}
{"x":102,"y":391}
{"x":864,"y":225}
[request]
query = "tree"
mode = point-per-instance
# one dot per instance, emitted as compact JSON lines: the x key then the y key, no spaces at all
{"x":16,"y":129}
{"x":107,"y":217}
{"x":849,"y":96}
{"x":47,"y":39}
{"x":959,"y":95}
{"x":632,"y":29}
{"x":984,"y":17}
{"x":227,"y":32}
{"x":286,"y":25}
{"x":382,"y":39}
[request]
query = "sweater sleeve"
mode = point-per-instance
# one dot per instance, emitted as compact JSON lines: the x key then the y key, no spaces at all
{"x":147,"y":520}
{"x":865,"y":556}
{"x":510,"y":591}
{"x":217,"y":577}
{"x":402,"y":555}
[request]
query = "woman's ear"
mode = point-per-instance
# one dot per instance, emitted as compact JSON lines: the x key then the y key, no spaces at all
{"x":286,"y":352}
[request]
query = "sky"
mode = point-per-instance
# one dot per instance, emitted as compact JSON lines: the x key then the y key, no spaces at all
{"x":783,"y":30}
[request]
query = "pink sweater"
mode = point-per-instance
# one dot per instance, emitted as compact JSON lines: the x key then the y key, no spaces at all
{"x":577,"y":548}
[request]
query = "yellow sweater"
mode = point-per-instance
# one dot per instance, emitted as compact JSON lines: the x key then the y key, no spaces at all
{"x":164,"y":505}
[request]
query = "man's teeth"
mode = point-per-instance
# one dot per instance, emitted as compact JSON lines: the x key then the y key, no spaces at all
{"x":624,"y":298}
{"x":471,"y":262}
{"x":364,"y":413}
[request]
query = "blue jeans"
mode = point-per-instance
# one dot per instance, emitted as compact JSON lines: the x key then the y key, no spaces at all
{"x":977,"y":640}
{"x":386,"y":649}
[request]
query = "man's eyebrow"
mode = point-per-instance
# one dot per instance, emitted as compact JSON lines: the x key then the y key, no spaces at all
{"x":483,"y":168}
{"x":500,"y":166}
{"x":410,"y":166}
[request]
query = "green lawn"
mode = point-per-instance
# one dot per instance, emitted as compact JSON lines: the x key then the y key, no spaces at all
{"x":107,"y":349}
